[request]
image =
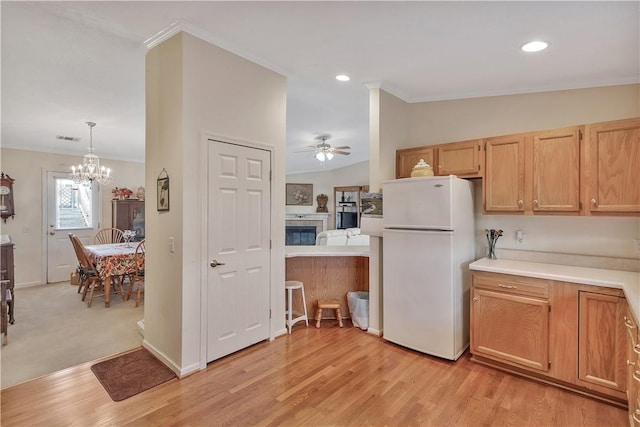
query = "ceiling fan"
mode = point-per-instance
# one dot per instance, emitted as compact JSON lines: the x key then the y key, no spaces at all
{"x":324,"y":150}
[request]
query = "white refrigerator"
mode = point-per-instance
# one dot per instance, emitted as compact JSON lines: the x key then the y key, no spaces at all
{"x":428,"y":244}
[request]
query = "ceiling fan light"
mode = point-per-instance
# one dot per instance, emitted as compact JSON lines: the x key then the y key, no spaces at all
{"x":329,"y":155}
{"x":534,"y":46}
{"x":320,"y":156}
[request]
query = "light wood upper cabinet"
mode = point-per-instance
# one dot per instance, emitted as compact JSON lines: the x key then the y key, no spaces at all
{"x":612,"y":162}
{"x":602,"y":339}
{"x":463,"y":159}
{"x":503,"y":185}
{"x":407,"y":158}
{"x":554,"y":180}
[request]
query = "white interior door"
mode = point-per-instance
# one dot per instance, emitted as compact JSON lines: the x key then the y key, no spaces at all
{"x":71,"y":208}
{"x":238,"y":215}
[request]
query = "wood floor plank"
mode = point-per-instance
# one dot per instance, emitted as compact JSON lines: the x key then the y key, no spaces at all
{"x":327,"y":376}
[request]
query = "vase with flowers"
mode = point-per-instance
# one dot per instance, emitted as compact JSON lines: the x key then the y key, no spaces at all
{"x":492,"y":238}
{"x":121,"y":193}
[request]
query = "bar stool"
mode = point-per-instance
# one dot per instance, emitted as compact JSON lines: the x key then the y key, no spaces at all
{"x":328,"y":303}
{"x":290,"y":285}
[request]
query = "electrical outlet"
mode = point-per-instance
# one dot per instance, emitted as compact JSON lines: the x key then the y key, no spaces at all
{"x":636,"y":246}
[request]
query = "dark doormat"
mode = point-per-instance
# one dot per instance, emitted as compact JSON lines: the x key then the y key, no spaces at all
{"x":132,"y":373}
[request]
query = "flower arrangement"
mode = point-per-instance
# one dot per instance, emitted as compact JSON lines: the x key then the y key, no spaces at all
{"x":492,"y":238}
{"x":121,"y":193}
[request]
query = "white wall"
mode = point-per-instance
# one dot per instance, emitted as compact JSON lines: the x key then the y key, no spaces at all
{"x":450,"y":121}
{"x":196,"y":89}
{"x":28,"y":169}
{"x":323,"y":183}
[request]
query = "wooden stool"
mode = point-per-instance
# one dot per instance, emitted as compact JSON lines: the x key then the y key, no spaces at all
{"x":328,"y":303}
{"x":290,"y":285}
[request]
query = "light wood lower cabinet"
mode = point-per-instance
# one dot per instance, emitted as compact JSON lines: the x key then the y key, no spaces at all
{"x":511,"y":328}
{"x":601,"y":340}
{"x":567,"y":334}
{"x":633,"y":368}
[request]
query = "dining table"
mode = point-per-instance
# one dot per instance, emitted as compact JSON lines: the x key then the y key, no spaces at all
{"x":114,"y":260}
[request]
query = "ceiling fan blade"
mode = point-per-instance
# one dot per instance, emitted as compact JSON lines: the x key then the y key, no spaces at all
{"x":344,"y":147}
{"x":346,"y":153}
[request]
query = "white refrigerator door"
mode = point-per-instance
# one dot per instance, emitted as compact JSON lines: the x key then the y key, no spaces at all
{"x":418,"y":291}
{"x":419,"y":203}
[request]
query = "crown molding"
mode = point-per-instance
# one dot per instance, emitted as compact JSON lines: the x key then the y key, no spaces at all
{"x":180,"y":25}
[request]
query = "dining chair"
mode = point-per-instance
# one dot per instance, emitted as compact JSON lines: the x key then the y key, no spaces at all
{"x":89,"y":278}
{"x":79,"y":268}
{"x":138,"y":276}
{"x":108,"y":235}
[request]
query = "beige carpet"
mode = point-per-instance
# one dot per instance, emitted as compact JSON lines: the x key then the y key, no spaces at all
{"x":55,"y":330}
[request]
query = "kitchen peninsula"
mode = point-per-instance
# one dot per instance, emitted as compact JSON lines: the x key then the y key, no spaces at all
{"x":327,"y":272}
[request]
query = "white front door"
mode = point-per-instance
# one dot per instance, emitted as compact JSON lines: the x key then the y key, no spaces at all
{"x":238,"y":216}
{"x":71,"y":208}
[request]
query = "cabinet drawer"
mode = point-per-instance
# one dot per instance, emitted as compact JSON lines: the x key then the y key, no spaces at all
{"x":517,"y":285}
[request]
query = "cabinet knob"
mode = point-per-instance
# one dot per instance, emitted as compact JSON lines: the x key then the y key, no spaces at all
{"x":628,"y":323}
{"x":630,"y":363}
{"x":535,"y":203}
{"x":594,"y":202}
{"x":475,"y":299}
{"x":520,"y":203}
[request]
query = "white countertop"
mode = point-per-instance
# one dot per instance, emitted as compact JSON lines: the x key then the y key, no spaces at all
{"x":629,"y":282}
{"x":298,"y":251}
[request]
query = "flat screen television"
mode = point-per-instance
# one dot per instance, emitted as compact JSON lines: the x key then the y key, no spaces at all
{"x":347,"y":220}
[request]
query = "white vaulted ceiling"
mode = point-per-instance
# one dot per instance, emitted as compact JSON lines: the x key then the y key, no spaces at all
{"x":65,"y":63}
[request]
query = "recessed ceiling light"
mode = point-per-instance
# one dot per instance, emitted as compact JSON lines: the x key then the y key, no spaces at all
{"x":534,"y":46}
{"x":343,"y":77}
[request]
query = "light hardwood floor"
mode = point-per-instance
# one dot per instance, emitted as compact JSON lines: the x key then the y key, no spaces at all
{"x":326,"y":376}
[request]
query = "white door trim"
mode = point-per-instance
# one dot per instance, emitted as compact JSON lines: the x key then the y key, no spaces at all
{"x":204,"y":229}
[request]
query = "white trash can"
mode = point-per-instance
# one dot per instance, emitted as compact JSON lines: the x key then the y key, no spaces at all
{"x":359,"y":309}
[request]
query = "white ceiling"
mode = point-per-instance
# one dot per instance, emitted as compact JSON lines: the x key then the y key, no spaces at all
{"x":66,"y":63}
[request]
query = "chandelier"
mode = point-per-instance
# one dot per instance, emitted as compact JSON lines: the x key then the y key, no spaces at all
{"x":90,"y":169}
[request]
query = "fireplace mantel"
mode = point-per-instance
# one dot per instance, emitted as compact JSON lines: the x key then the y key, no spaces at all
{"x":308,"y":218}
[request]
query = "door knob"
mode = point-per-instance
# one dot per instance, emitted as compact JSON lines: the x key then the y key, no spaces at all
{"x":215,"y":263}
{"x":52,"y":233}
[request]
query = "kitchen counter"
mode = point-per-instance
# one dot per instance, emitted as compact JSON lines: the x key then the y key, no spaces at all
{"x":629,"y":282}
{"x":328,"y":272}
{"x":325,"y":251}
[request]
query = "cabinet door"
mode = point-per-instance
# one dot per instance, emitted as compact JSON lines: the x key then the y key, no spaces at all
{"x":503,"y":184}
{"x":612,"y":164}
{"x":510,"y":328}
{"x":407,"y":158}
{"x":633,"y":368}
{"x":460,"y":158}
{"x":556,"y":171}
{"x":601,"y":340}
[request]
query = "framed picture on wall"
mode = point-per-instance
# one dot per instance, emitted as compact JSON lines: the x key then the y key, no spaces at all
{"x":163,"y":191}
{"x":299,"y":194}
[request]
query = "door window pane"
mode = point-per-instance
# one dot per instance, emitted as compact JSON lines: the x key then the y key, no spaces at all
{"x":73,"y":205}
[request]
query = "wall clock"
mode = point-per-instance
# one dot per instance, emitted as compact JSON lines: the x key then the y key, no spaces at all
{"x":7,"y":208}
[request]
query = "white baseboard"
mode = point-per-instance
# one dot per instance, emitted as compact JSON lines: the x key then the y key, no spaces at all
{"x":141,"y":327}
{"x":180,"y":372}
{"x":29,"y":284}
{"x":278,"y":333}
{"x":375,"y":332}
